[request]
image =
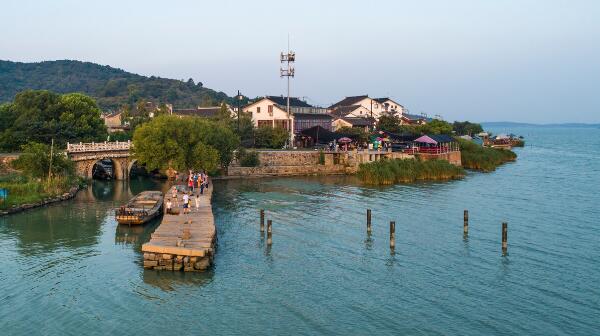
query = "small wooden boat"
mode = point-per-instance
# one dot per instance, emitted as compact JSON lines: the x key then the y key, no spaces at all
{"x":140,"y":209}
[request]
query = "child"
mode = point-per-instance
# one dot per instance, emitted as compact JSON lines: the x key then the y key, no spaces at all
{"x":197,"y":202}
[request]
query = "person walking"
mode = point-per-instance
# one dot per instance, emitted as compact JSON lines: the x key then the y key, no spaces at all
{"x":191,"y":182}
{"x":197,"y":199}
{"x":186,"y":203}
{"x":169,"y":206}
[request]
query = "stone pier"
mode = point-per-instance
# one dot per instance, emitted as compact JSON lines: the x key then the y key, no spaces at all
{"x":183,"y":242}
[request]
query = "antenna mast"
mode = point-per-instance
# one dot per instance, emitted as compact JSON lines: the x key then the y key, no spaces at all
{"x":287,"y":70}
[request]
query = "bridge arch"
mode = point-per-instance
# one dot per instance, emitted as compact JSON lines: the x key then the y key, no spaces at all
{"x":86,"y":155}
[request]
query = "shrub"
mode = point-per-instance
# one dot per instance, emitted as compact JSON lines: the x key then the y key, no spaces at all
{"x":407,"y":170}
{"x":248,"y":158}
{"x":268,"y":137}
{"x":485,"y":159}
{"x":321,"y":157}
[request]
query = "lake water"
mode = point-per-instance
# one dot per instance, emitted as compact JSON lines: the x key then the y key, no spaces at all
{"x":70,"y":270}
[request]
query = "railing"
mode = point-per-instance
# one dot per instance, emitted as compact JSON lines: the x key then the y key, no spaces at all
{"x":433,"y":150}
{"x":98,"y":146}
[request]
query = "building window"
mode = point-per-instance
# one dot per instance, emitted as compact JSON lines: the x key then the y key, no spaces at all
{"x":265,"y":123}
{"x":270,"y":108}
{"x":258,"y":109}
{"x":281,"y":123}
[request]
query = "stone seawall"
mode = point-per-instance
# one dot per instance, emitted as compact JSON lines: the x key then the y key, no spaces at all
{"x":296,"y":163}
{"x":452,"y":157}
{"x":183,"y":242}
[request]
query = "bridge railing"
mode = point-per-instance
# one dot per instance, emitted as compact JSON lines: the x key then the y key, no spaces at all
{"x":98,"y":146}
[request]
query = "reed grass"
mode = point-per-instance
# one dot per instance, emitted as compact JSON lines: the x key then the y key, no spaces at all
{"x":481,"y":158}
{"x":387,"y":172}
{"x":22,"y":190}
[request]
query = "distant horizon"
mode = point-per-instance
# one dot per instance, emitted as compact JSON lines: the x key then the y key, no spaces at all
{"x":464,"y":60}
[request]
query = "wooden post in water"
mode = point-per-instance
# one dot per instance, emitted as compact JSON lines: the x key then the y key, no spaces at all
{"x":392,"y":234}
{"x":466,"y":222}
{"x":368,"y":220}
{"x":269,"y":232}
{"x":262,"y":220}
{"x":504,"y":237}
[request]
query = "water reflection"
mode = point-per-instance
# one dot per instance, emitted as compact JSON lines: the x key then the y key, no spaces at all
{"x":135,"y":235}
{"x":170,"y":281}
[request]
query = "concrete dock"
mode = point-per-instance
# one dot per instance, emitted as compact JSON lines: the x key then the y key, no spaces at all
{"x":183,"y":242}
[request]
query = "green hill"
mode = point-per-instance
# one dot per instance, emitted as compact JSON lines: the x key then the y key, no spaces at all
{"x":111,"y":87}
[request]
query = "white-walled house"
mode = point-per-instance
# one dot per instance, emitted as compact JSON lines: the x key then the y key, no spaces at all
{"x":376,"y":107}
{"x":270,"y":111}
{"x":352,"y":111}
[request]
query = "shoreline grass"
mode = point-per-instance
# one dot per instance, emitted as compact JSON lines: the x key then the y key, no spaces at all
{"x":22,"y":190}
{"x":387,"y":172}
{"x":485,"y":159}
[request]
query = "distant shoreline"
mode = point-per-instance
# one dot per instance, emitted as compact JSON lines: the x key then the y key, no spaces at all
{"x":518,"y":124}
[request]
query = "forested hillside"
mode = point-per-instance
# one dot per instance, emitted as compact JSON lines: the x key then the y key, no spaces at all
{"x":111,"y":87}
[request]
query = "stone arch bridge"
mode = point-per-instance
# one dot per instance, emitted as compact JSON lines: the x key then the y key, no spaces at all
{"x":86,"y":155}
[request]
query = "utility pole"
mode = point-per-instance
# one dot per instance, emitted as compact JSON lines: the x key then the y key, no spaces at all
{"x":239,"y":98}
{"x":288,"y":71}
{"x":51,"y":157}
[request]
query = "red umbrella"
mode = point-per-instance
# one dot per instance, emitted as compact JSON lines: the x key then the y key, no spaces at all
{"x":344,"y":140}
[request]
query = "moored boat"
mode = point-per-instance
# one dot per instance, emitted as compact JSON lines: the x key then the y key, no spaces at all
{"x":140,"y":209}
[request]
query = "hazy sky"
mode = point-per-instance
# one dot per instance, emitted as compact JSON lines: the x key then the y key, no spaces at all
{"x":530,"y":61}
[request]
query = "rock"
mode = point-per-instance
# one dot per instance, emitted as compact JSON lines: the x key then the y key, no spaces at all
{"x":177,"y":266}
{"x":203,"y":264}
{"x":167,"y":256}
{"x":150,"y":263}
{"x":149,"y":256}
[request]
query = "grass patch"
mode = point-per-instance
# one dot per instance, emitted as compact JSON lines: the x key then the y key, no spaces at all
{"x":22,"y":190}
{"x":485,"y":159}
{"x":407,"y":170}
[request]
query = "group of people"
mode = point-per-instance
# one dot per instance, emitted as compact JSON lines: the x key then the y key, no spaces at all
{"x":196,"y":182}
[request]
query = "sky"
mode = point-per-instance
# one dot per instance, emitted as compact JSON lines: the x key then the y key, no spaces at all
{"x":525,"y":61}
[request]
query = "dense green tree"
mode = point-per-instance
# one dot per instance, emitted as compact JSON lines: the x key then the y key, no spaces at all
{"x":40,"y":116}
{"x":184,"y":143}
{"x":357,"y":133}
{"x":466,"y":128}
{"x":35,"y":161}
{"x":268,"y":137}
{"x":435,"y":126}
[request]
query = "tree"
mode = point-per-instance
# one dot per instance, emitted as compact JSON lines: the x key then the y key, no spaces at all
{"x":188,"y":143}
{"x":466,"y":128}
{"x":436,"y":126}
{"x":268,"y":137}
{"x":389,"y":124}
{"x":357,"y":133}
{"x":35,"y":161}
{"x":41,"y":115}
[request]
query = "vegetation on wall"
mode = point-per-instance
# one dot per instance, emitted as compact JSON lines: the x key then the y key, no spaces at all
{"x":111,"y":87}
{"x":407,"y":170}
{"x":248,"y":158}
{"x":39,"y":116}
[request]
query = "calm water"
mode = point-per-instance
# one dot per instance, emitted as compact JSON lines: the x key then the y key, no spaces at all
{"x":69,"y":270}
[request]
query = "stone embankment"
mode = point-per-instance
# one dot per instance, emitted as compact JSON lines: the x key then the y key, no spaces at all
{"x":183,"y":242}
{"x":18,"y":208}
{"x":309,"y":162}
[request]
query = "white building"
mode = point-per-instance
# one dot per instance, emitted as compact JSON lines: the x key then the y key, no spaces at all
{"x":271,"y":111}
{"x":375,"y":107}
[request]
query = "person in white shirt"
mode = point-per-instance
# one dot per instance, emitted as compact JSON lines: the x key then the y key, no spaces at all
{"x":186,"y":203}
{"x":169,"y":206}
